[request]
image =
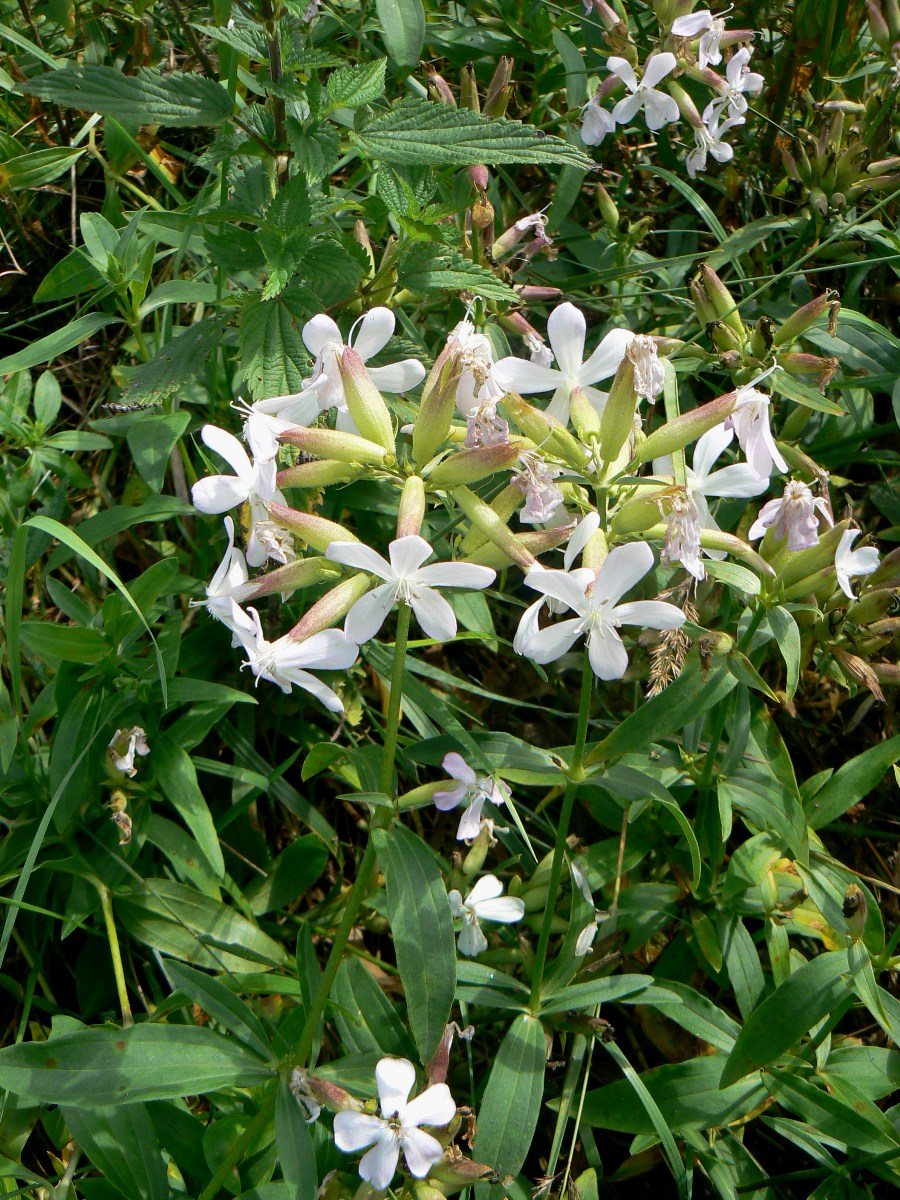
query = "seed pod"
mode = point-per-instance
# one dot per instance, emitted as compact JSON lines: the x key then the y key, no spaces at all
{"x":801,"y":320}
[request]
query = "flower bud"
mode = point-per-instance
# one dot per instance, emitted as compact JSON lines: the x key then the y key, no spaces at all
{"x":721,"y":300}
{"x":314,"y":530}
{"x":499,"y":89}
{"x":527,"y":546}
{"x":583,"y":415}
{"x":478,"y":174}
{"x":493,"y":528}
{"x":504,"y":505}
{"x":801,"y":320}
{"x":531,"y":291}
{"x":304,"y":572}
{"x":439,"y":88}
{"x":318,"y":474}
{"x":761,"y":338}
{"x":545,"y":431}
{"x":367,"y":408}
{"x":333,"y":606}
{"x":636,"y":515}
{"x":436,"y":407}
{"x":304,"y":1084}
{"x":474,"y":860}
{"x":686,"y":428}
{"x":705,"y":312}
{"x":334,"y":444}
{"x":421,"y":796}
{"x":873,"y":605}
{"x":888,"y":572}
{"x":412,"y":507}
{"x":458,"y":1171}
{"x":724,"y":337}
{"x":617,"y":420}
{"x":468,"y":466}
{"x":468,"y":89}
{"x":718,"y":539}
{"x":607,"y":206}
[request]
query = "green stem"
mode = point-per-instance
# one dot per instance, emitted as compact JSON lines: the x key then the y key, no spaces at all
{"x":238,"y":1148}
{"x":118,"y":968}
{"x":576,"y":773}
{"x":303,"y":1049}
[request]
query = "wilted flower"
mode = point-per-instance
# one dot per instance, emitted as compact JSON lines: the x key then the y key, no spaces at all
{"x":596,"y":122}
{"x":649,"y":373}
{"x":277,"y":542}
{"x":398,"y":1128}
{"x":472,"y":790}
{"x":542,"y":496}
{"x":793,"y":516}
{"x":286,"y":661}
{"x":485,"y":902}
{"x":711,"y":27}
{"x":750,"y":421}
{"x":599,"y":614}
{"x":682,"y":542}
{"x":739,"y":79}
{"x":538,"y":350}
{"x":407,"y":582}
{"x":124,"y":745}
{"x":659,"y":107}
{"x":849,"y":562}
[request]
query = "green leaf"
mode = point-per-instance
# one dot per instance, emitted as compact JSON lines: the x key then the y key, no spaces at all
{"x":425,"y":268}
{"x":72,"y":275}
{"x":47,"y":348}
{"x":178,"y":360}
{"x":294,"y":1144}
{"x":151,"y":439}
{"x":800,"y":1002}
{"x":422,"y":928}
{"x":365,"y":1018}
{"x":75,"y":440}
{"x":402,"y":27}
{"x":176,"y":776}
{"x":769,"y":806}
{"x":349,"y":87}
{"x":222,"y":1005}
{"x":179,"y":291}
{"x":66,"y":642}
{"x":511,"y":1102}
{"x":802,"y":393}
{"x":122,"y":1143}
{"x":419,"y":132}
{"x":787,"y":638}
{"x":147,"y":98}
{"x":734,"y":575}
{"x":292,"y":873}
{"x":37,"y":167}
{"x":851,"y":783}
{"x":120,"y":1066}
{"x":272,"y":352}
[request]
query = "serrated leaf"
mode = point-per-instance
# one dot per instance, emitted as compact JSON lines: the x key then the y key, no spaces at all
{"x":420,"y":132}
{"x":426,"y":268}
{"x":272,"y":351}
{"x":180,"y":359}
{"x":349,"y":87}
{"x":147,"y":98}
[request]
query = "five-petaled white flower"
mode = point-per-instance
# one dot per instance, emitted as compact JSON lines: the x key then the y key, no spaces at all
{"x":231,"y":573}
{"x":566,"y":330}
{"x":599,"y":613}
{"x":750,"y":421}
{"x":710,"y":27}
{"x":485,"y":902}
{"x":708,"y":140}
{"x":471,"y":789}
{"x":659,"y":107}
{"x":407,"y":582}
{"x":596,"y":122}
{"x":738,"y":80}
{"x":793,"y":516}
{"x":849,"y":562}
{"x":286,"y":661}
{"x":398,"y":1128}
{"x":253,"y":482}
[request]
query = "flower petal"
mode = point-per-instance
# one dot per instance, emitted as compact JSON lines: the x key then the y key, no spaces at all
{"x":692,"y":24}
{"x":626,"y":110}
{"x":421,"y":1151}
{"x":457,"y":575}
{"x":651,"y":614}
{"x":369,"y":613}
{"x":435,"y":1106}
{"x":364,"y":558}
{"x":656,"y":68}
{"x":518,"y":375}
{"x":322,"y":692}
{"x":372,"y":332}
{"x":604,"y":362}
{"x":397,"y":377}
{"x":579,"y":538}
{"x":318,"y":332}
{"x":471,"y":940}
{"x":488,"y":887}
{"x":659,"y":108}
{"x":219,"y":493}
{"x":217,"y":581}
{"x":504,"y":909}
{"x":454,"y":764}
{"x":470,"y":820}
{"x":708,"y":449}
{"x":607,"y":655}
{"x":559,"y":585}
{"x":553,"y":642}
{"x":566,"y":328}
{"x":434,"y":614}
{"x":446,"y":800}
{"x":355,"y":1130}
{"x":407,"y":555}
{"x":623,"y":568}
{"x":394,"y":1078}
{"x":329,"y":650}
{"x":737,"y":480}
{"x":379,"y":1166}
{"x":625,"y":71}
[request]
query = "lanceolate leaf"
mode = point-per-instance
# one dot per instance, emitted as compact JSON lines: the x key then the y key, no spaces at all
{"x":422,"y":929}
{"x":115,"y":1066}
{"x":852,"y":782}
{"x":121,"y":1142}
{"x":512,"y":1101}
{"x":417,"y":132}
{"x":147,"y":98}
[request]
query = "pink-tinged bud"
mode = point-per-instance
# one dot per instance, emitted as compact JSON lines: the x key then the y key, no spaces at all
{"x":705,"y":312}
{"x":478,"y":174}
{"x":892,"y":12}
{"x":507,"y":241}
{"x":468,"y":466}
{"x":412,"y":507}
{"x":686,"y":428}
{"x":499,"y":89}
{"x":517,"y":323}
{"x":436,"y":407}
{"x":468,"y":89}
{"x":332,"y":607}
{"x":440,"y":89}
{"x":361,"y":237}
{"x":801,"y":320}
{"x":533,"y":292}
{"x":793,"y":565}
{"x":315,"y":531}
{"x":504,"y":505}
{"x":322,"y":1091}
{"x":612,"y":22}
{"x":526,"y":546}
{"x":717,"y":539}
{"x":617,"y":420}
{"x":439,"y":1063}
{"x":686,"y":105}
{"x":318,"y":474}
{"x":494,"y":529}
{"x":303,"y":573}
{"x":334,"y":444}
{"x":457,"y":1171}
{"x":888,"y":571}
{"x":545,"y":431}
{"x":367,"y":408}
{"x":721,"y":300}
{"x":883,"y":164}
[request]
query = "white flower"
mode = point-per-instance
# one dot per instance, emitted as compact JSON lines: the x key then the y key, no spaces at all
{"x":124,"y":745}
{"x":708,"y":140}
{"x":286,"y":661}
{"x":538,"y":350}
{"x":473,"y":789}
{"x":398,"y":1128}
{"x":750,"y":421}
{"x":252,"y":483}
{"x":738,"y":80}
{"x":792,"y":516}
{"x":476,"y":392}
{"x":231,"y":573}
{"x":407,"y":582}
{"x":712,"y":28}
{"x":266,"y":419}
{"x":566,"y":330}
{"x":485,"y":902}
{"x":277,"y":542}
{"x":369,"y":335}
{"x":849,"y":562}
{"x":542,"y":496}
{"x":649,"y":373}
{"x":596,"y":123}
{"x":659,"y":107}
{"x":599,"y":614}
{"x":682,"y":542}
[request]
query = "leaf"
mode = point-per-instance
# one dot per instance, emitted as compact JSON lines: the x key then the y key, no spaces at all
{"x":786,"y":385}
{"x":178,"y":360}
{"x":365,"y":1018}
{"x":807,"y":995}
{"x":66,"y":642}
{"x":349,"y":87}
{"x":402,"y":28}
{"x":179,"y":291}
{"x":418,"y":132}
{"x":146,"y":98}
{"x":177,"y":777}
{"x":122,"y":1143}
{"x":422,"y":928}
{"x":272,"y":352}
{"x":151,"y":440}
{"x":851,"y":783}
{"x":292,"y":873}
{"x":734,"y":575}
{"x":221,"y":1004}
{"x":119,"y":1066}
{"x":787,"y":638}
{"x":37,"y":167}
{"x":425,"y":268}
{"x":768,"y":805}
{"x":512,"y":1101}
{"x":294,"y":1144}
{"x":47,"y":348}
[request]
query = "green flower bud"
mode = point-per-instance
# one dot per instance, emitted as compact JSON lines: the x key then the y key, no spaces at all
{"x":421,"y":796}
{"x":305,"y":572}
{"x":333,"y":606}
{"x":318,"y":474}
{"x":793,"y":565}
{"x":335,"y":445}
{"x":721,"y":300}
{"x":801,"y":320}
{"x":504,"y":505}
{"x":550,"y":435}
{"x":367,"y":408}
{"x":470,"y":465}
{"x":412,"y":507}
{"x":617,"y":420}
{"x":493,"y":528}
{"x":314,"y":530}
{"x":435,"y":408}
{"x":583,"y":415}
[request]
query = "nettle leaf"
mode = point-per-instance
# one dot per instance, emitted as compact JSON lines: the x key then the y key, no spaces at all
{"x":180,"y":359}
{"x":349,"y":87}
{"x":272,"y":351}
{"x":147,"y":98}
{"x":426,"y":268}
{"x":420,"y":131}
